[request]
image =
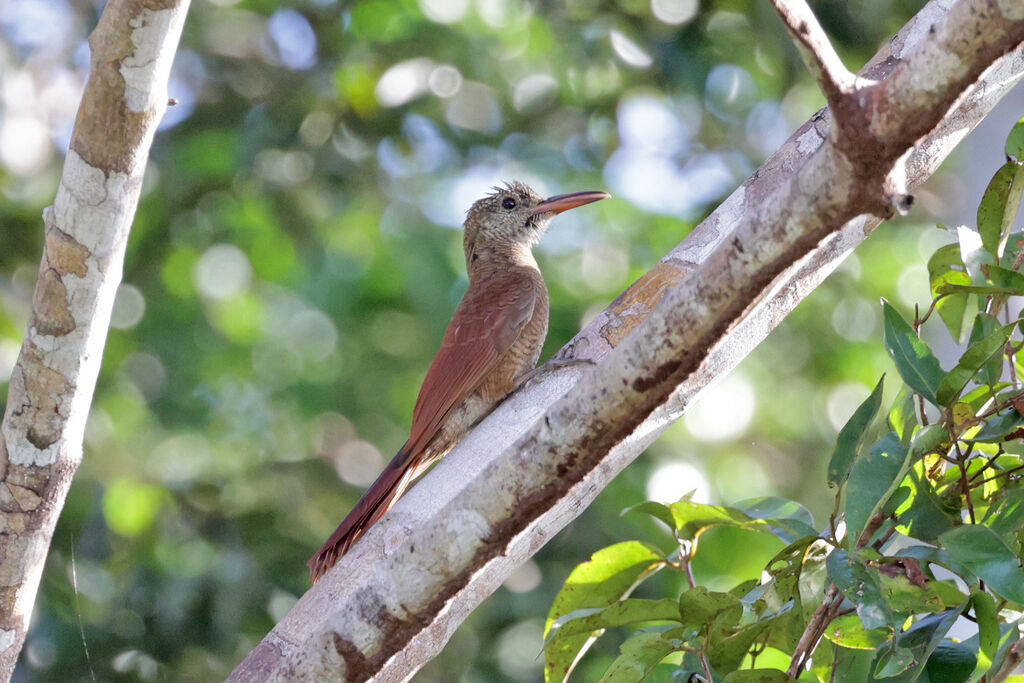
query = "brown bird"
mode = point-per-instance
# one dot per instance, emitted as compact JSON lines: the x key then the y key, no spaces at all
{"x":491,"y":346}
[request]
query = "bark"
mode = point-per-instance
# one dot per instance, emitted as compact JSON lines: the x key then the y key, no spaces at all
{"x":86,"y":230}
{"x":535,"y":463}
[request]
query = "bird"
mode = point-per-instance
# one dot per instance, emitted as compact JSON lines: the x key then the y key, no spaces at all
{"x":490,"y":348}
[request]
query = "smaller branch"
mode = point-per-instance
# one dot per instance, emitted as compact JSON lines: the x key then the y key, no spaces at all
{"x":965,"y":484}
{"x":1014,"y":656}
{"x":822,"y":617}
{"x":685,"y":550}
{"x":835,"y":80}
{"x":997,"y":476}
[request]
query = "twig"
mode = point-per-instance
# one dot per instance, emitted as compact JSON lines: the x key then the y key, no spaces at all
{"x":824,"y":615}
{"x":965,"y":484}
{"x":685,"y":555}
{"x":1014,"y":656}
{"x":834,"y":79}
{"x":1004,"y":473}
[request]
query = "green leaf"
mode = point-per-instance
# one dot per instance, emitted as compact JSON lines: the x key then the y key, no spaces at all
{"x":1008,"y":634}
{"x":999,"y":205}
{"x":915,"y":362}
{"x":757,"y":676}
{"x":893,"y":660}
{"x":774,"y":507}
{"x":639,"y":655}
{"x":976,"y":357}
{"x":950,"y":663}
{"x":787,"y":519}
{"x":984,"y":326}
{"x":927,"y":554}
{"x":609,"y":576}
{"x":852,"y":435}
{"x":903,"y":414}
{"x":873,"y":479}
{"x":1010,"y":281}
{"x":923,"y":638}
{"x":988,"y":623}
{"x":629,"y":611}
{"x":654,"y":509}
{"x":998,"y":426}
{"x":860,"y":587}
{"x":1007,"y":517}
{"x":1015,"y":141}
{"x":726,"y":654}
{"x":982,"y":290}
{"x":908,"y":598}
{"x":984,"y":552}
{"x":848,"y":631}
{"x":922,"y":515}
{"x":690,"y":518}
{"x":699,"y":607}
{"x":946,"y":267}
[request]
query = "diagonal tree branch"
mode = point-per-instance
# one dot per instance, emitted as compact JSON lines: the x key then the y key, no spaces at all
{"x":87,"y":228}
{"x":533,"y":465}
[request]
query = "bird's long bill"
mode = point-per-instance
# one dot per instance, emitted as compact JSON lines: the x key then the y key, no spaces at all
{"x":564,"y":202}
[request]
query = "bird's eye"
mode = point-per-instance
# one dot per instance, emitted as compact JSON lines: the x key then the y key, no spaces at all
{"x":508,"y":203}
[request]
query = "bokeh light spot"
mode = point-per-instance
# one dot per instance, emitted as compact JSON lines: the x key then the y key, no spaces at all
{"x":629,"y":51}
{"x":843,"y":399}
{"x":444,"y":11}
{"x":670,"y":481}
{"x":445,"y":80}
{"x":130,"y":506}
{"x":518,"y":649}
{"x":222,"y":272}
{"x":524,"y":579}
{"x":25,"y":146}
{"x":129,"y":307}
{"x":722,"y":412}
{"x":358,"y":462}
{"x":674,"y":12}
{"x":294,"y":39}
{"x":855,"y":318}
{"x":403,"y":82}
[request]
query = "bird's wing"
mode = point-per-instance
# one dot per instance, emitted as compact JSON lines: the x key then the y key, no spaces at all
{"x":486,"y":324}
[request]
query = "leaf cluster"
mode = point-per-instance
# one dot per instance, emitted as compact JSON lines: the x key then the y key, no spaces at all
{"x":926,"y":531}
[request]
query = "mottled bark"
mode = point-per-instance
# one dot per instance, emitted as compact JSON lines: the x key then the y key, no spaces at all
{"x":86,"y":232}
{"x":531,"y":467}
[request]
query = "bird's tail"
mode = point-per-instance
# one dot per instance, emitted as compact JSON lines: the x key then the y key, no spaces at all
{"x":377,"y":500}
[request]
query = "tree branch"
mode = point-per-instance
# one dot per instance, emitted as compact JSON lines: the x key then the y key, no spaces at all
{"x":86,"y":232}
{"x":543,"y":455}
{"x":821,"y":59}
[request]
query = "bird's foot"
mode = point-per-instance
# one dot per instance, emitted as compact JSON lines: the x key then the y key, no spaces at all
{"x":541,"y":372}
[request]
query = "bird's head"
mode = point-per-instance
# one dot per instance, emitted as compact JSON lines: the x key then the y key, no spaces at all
{"x":515,"y":216}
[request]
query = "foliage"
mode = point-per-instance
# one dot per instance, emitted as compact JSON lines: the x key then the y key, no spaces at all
{"x":926,"y":531}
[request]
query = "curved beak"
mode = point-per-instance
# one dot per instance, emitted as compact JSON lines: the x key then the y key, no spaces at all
{"x":564,"y":202}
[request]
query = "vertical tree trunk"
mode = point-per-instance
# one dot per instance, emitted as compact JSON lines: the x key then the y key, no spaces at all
{"x":86,"y":232}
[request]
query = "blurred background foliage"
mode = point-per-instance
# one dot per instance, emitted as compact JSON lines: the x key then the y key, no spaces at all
{"x":296,"y":257}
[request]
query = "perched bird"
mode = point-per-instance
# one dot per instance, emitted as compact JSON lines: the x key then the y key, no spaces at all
{"x":490,"y":347}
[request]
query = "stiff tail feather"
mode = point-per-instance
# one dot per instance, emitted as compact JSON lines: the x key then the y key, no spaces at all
{"x":377,"y":500}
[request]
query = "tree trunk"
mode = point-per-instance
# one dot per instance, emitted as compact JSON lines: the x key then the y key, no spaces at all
{"x":533,"y":465}
{"x":86,"y":232}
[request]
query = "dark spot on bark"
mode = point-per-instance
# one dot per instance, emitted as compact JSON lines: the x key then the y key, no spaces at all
{"x":737,"y":244}
{"x":355,"y":661}
{"x":661,"y":373}
{"x":40,"y":441}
